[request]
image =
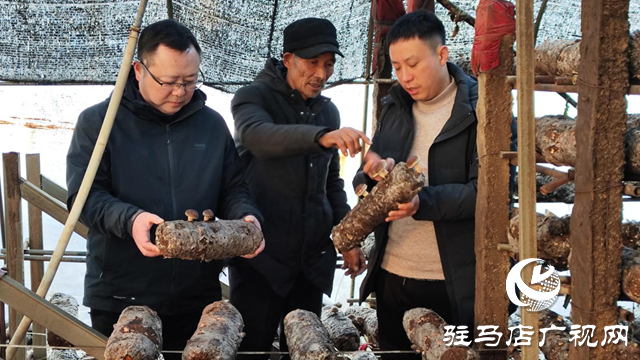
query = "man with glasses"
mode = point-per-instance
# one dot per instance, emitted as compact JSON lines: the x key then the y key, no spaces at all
{"x":167,"y":153}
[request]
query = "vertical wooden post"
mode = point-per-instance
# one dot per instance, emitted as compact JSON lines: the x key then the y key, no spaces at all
{"x":494,"y":111}
{"x":597,"y":212}
{"x":13,"y":223}
{"x":36,"y":242}
{"x":526,"y":157}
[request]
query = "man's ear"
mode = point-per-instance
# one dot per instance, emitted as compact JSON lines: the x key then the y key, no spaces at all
{"x":287,"y":59}
{"x":443,"y":54}
{"x":137,"y":67}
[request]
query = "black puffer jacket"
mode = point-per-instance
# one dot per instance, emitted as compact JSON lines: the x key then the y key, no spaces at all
{"x":163,"y":165}
{"x":295,"y":182}
{"x":449,"y":200}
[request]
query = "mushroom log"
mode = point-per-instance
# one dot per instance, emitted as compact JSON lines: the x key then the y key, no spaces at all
{"x":396,"y":187}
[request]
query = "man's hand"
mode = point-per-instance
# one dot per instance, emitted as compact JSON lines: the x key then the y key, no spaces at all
{"x":252,"y":219}
{"x":354,"y":262}
{"x":347,"y":140}
{"x":140,"y":233}
{"x":404,"y":210}
{"x":371,"y":159}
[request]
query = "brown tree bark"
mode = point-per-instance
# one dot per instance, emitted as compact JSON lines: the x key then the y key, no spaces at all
{"x":306,"y":337}
{"x":70,"y":305}
{"x":634,"y":54}
{"x":366,"y":321}
{"x":553,"y":238}
{"x":556,"y":141}
{"x":341,"y":330}
{"x":425,"y":330}
{"x":558,"y":57}
{"x":397,"y":187}
{"x":206,"y":241}
{"x":219,"y":334}
{"x":136,"y":336}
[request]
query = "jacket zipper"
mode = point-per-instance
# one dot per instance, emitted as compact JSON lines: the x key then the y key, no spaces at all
{"x":173,"y":207}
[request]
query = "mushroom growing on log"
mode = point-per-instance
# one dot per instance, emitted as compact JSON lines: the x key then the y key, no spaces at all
{"x":307,"y":338}
{"x":218,"y":335}
{"x":396,"y":187}
{"x":343,"y":333}
{"x":425,"y":330}
{"x":207,"y":240}
{"x":366,"y":321}
{"x":136,"y":336}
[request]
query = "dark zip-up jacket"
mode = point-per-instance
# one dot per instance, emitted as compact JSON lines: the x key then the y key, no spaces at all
{"x":163,"y":165}
{"x":295,"y":182}
{"x":449,"y":200}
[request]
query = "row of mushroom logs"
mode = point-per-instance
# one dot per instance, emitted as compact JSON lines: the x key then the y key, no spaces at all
{"x":397,"y":186}
{"x":138,"y":334}
{"x":207,"y":240}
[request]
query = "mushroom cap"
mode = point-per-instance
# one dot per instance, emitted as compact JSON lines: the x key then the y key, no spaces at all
{"x":379,"y":168}
{"x":361,"y":189}
{"x":191,"y":213}
{"x":413,"y":160}
{"x":207,"y":213}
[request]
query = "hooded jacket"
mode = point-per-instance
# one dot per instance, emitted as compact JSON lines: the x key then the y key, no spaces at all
{"x":163,"y":165}
{"x":295,"y":181}
{"x":449,"y":200}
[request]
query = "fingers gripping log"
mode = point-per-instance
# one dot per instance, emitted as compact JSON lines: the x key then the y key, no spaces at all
{"x":136,"y":336}
{"x":397,"y":187}
{"x":207,"y":240}
{"x":218,"y":335}
{"x":306,"y":337}
{"x":366,"y":321}
{"x":425,"y":330}
{"x":343,"y":333}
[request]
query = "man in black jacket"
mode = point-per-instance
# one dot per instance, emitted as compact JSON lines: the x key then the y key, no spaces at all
{"x":288,"y":136}
{"x":167,"y":152}
{"x":424,"y":253}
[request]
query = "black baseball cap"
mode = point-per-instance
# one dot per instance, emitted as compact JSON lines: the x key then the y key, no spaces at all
{"x":310,"y":37}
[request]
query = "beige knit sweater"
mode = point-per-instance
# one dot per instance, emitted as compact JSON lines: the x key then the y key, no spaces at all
{"x":412,"y":250}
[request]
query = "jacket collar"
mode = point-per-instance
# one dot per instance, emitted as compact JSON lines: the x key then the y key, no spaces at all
{"x":464,"y":105}
{"x":133,"y":100}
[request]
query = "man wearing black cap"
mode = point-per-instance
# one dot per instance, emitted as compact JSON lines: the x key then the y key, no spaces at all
{"x":288,"y":136}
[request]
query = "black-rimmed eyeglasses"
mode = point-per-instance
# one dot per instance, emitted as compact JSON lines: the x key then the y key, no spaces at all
{"x":188,"y":86}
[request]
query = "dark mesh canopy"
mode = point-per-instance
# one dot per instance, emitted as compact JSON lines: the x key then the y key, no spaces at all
{"x":83,"y":41}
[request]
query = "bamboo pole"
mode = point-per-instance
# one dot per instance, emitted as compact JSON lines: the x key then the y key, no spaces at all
{"x":36,"y":243}
{"x":526,"y":156}
{"x":87,"y":181}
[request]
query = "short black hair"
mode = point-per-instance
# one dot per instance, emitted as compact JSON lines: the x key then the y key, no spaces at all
{"x":169,"y":33}
{"x":422,"y":24}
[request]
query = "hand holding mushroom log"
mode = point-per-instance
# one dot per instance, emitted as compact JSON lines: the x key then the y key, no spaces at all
{"x":209,"y":240}
{"x":140,"y":233}
{"x":425,"y":330}
{"x":136,"y":336}
{"x":218,"y":335}
{"x":398,"y":186}
{"x":306,"y":337}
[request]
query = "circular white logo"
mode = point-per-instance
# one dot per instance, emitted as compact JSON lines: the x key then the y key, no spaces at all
{"x":533,"y":300}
